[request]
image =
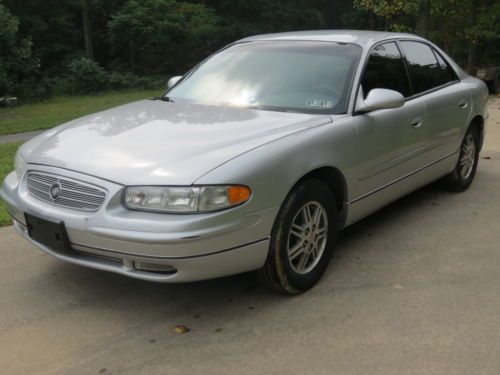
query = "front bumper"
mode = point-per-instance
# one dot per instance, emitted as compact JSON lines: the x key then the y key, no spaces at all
{"x":150,"y":246}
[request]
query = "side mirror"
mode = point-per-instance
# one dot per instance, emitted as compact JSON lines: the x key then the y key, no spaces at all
{"x":381,"y":99}
{"x":172,"y":81}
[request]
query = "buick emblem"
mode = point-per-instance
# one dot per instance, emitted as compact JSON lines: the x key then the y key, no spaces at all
{"x":55,"y":191}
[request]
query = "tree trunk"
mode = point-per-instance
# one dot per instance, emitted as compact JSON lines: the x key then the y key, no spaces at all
{"x":472,"y":48}
{"x":422,"y":22}
{"x":87,"y":32}
{"x":373,"y":21}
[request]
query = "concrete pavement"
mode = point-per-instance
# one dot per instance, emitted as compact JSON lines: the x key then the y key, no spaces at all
{"x":19,"y":137}
{"x":413,"y":289}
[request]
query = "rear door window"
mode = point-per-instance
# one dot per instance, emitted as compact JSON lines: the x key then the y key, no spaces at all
{"x":386,"y":70}
{"x":427,"y":71}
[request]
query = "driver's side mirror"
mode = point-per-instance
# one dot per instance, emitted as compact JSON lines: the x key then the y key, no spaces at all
{"x":173,"y":81}
{"x":380,"y":99}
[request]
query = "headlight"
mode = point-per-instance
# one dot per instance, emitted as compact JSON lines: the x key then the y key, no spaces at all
{"x":184,"y":199}
{"x":20,"y":165}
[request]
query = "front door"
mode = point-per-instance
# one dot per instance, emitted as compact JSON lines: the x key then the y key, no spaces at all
{"x":391,"y":141}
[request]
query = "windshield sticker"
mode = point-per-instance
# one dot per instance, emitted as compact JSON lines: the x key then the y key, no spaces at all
{"x":317,"y":103}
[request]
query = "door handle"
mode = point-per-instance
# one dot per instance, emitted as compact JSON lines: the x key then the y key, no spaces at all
{"x":417,"y":123}
{"x":463,"y":104}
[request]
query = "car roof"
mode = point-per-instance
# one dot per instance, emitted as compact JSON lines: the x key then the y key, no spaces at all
{"x":364,"y":38}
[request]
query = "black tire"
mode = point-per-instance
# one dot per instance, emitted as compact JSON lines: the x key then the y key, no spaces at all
{"x":278,"y":273}
{"x":456,"y":180}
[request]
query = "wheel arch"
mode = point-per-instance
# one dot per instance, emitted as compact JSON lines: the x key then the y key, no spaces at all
{"x":336,"y":181}
{"x":478,"y":122}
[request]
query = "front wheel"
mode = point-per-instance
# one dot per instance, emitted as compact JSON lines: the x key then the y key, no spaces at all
{"x":302,"y":239}
{"x":463,"y":174}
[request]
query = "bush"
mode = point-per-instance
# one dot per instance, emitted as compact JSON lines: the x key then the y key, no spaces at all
{"x":120,"y":81}
{"x":84,"y":77}
{"x":162,"y":35}
{"x":17,"y":63}
{"x":87,"y":76}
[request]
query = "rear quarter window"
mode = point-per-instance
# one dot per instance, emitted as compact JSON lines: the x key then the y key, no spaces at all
{"x":447,"y":73}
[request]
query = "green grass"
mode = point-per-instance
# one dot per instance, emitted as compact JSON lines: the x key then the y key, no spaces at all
{"x":7,"y":152}
{"x":56,"y":111}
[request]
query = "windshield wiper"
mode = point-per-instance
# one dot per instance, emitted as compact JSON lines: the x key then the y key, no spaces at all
{"x":163,"y":99}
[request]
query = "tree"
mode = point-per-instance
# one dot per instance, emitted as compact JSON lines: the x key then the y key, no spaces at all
{"x":466,"y":27}
{"x":461,"y":27}
{"x":161,"y":36}
{"x":54,"y":28}
{"x":87,"y":31}
{"x":17,"y":63}
{"x":164,"y":37}
{"x":388,"y":9}
{"x":241,"y":18}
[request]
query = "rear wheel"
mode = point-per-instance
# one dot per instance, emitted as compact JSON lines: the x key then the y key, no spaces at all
{"x":465,"y":170}
{"x":302,"y":239}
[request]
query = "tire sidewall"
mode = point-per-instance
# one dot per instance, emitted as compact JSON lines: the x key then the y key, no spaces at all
{"x":458,"y":183}
{"x":309,"y":191}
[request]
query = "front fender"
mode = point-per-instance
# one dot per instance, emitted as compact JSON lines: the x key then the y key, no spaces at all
{"x":271,"y":170}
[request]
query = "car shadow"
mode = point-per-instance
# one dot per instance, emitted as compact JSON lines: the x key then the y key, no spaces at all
{"x":394,"y":212}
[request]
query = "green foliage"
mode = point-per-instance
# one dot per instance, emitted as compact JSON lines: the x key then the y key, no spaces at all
{"x":121,"y":81}
{"x":459,"y":26}
{"x":42,"y":43}
{"x":87,"y":76}
{"x":487,"y":25}
{"x":241,"y":18}
{"x":161,"y":35}
{"x":17,"y":62}
{"x":53,"y":26}
{"x":387,"y":8}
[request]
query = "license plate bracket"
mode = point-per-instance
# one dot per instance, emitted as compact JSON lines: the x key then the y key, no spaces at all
{"x":48,"y":233}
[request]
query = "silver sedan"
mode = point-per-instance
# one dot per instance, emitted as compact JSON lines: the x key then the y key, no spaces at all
{"x":253,"y":160}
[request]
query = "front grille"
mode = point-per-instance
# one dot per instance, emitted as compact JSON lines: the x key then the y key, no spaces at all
{"x":71,"y":193}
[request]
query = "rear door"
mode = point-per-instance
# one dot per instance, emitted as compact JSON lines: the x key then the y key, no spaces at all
{"x":447,"y":100}
{"x":391,"y":141}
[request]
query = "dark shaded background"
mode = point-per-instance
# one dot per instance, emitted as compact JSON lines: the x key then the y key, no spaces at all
{"x":76,"y":46}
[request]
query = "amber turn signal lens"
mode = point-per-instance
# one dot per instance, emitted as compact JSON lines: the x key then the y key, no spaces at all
{"x":238,"y":194}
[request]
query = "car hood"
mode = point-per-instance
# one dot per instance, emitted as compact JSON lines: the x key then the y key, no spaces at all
{"x":159,"y":143}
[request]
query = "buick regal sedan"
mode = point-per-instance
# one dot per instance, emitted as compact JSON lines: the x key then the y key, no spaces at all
{"x":253,"y":160}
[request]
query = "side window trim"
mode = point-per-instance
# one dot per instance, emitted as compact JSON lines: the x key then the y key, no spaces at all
{"x":409,"y":74}
{"x":434,"y":89}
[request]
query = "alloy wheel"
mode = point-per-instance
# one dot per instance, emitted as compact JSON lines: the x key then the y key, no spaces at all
{"x":307,"y":237}
{"x":467,"y":156}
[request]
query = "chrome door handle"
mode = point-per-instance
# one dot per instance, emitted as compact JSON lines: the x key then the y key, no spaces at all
{"x":417,"y":123}
{"x":463,"y":104}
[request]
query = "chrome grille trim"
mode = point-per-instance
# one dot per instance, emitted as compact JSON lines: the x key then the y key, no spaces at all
{"x":74,"y":194}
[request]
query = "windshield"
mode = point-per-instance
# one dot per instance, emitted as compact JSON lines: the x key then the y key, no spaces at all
{"x":312,"y":77}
